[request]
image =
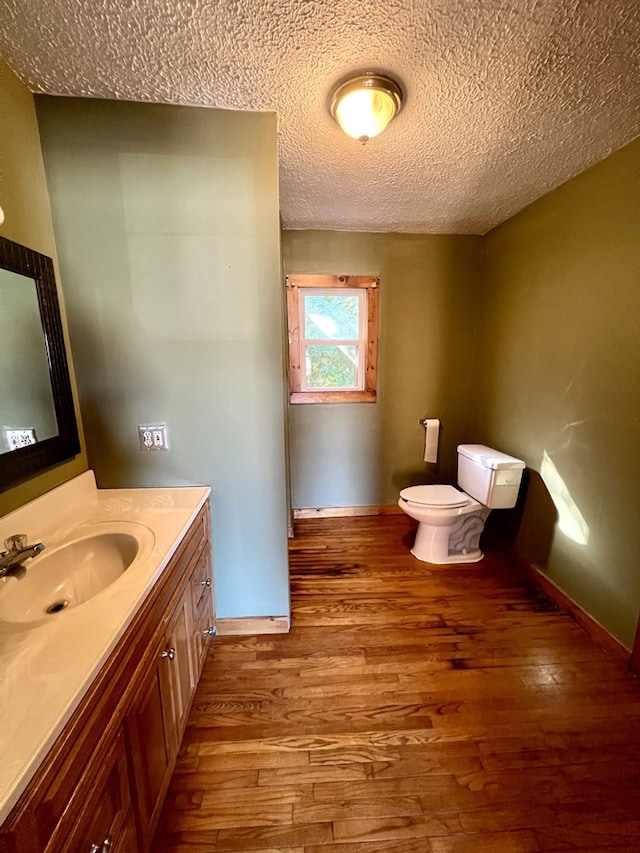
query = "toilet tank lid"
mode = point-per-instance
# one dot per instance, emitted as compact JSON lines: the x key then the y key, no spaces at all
{"x":489,"y":458}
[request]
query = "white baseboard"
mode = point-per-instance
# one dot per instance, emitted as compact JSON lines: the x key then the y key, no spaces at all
{"x":250,"y":625}
{"x":345,"y":511}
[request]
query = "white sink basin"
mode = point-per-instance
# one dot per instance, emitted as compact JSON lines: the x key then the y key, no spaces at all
{"x":67,"y":576}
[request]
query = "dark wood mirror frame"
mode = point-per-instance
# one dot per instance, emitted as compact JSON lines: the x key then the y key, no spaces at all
{"x":25,"y":462}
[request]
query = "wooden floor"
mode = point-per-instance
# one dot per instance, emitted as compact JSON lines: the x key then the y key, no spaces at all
{"x":411,"y":709}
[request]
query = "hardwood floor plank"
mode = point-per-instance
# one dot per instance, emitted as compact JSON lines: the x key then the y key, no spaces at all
{"x":411,"y":709}
{"x":488,"y":842}
{"x":434,"y":760}
{"x":277,"y":850}
{"x":216,"y":778}
{"x":259,"y":838}
{"x":357,"y":808}
{"x":234,"y":761}
{"x":339,"y":686}
{"x":259,"y":797}
{"x":362,"y":753}
{"x":407,"y":845}
{"x":441,"y":789}
{"x":345,"y":773}
{"x":393,"y":829}
{"x":238,"y":814}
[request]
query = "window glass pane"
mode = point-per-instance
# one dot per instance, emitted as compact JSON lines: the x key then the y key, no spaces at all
{"x":331,"y":317}
{"x":331,"y":366}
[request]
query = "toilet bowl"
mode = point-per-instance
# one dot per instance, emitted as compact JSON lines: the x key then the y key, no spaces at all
{"x":451,"y":520}
{"x":450,"y":523}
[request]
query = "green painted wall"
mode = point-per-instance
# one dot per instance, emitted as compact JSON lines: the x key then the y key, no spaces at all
{"x":167,"y":226}
{"x":364,"y":453}
{"x":559,"y":381}
{"x":25,"y":201}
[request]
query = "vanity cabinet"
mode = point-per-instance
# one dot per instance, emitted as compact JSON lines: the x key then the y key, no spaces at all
{"x":102,"y":786}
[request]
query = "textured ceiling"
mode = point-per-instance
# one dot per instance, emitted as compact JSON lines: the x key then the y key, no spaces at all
{"x":505,"y":100}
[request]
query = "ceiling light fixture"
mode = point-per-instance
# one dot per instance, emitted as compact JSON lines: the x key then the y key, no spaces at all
{"x":364,"y":105}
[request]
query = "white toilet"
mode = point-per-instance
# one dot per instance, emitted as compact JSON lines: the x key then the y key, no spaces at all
{"x":451,"y":520}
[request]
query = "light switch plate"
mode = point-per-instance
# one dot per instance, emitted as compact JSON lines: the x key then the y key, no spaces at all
{"x":153,"y":437}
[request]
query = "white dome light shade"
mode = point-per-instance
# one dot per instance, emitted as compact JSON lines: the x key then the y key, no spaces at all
{"x":364,"y":105}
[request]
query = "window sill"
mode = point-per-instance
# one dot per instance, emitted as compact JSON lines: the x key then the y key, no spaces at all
{"x":332,"y":397}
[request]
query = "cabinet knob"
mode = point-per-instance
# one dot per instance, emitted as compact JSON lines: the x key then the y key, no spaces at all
{"x":165,"y":653}
{"x":206,"y":582}
{"x":209,"y":632}
{"x":105,"y":847}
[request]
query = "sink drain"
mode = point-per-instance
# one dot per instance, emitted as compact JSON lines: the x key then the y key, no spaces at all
{"x":57,"y":606}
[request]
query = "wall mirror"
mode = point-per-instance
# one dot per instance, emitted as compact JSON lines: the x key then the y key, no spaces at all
{"x":37,"y":419}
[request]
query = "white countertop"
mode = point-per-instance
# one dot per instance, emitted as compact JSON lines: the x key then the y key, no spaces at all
{"x":45,"y":670}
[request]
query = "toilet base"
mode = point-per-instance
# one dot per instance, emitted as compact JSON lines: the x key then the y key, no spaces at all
{"x":472,"y":557}
{"x":456,"y":541}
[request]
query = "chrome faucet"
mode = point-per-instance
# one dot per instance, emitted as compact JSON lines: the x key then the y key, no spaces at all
{"x":17,"y":552}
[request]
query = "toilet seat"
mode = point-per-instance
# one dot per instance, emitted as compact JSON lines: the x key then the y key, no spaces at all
{"x":442,"y":497}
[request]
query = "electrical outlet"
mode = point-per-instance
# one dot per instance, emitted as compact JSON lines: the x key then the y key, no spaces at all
{"x":20,"y":437}
{"x":153,"y":437}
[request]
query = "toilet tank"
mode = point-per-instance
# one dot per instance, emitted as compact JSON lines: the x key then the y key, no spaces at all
{"x":491,"y":477}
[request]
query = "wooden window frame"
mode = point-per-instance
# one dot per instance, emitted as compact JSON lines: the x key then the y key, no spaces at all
{"x":369,"y":341}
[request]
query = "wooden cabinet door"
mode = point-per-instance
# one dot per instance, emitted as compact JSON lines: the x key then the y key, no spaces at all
{"x":152,"y":750}
{"x":158,"y":716}
{"x":106,"y":819}
{"x":178,"y":675}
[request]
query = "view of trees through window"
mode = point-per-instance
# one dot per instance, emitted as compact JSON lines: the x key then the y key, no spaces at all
{"x":331,"y":331}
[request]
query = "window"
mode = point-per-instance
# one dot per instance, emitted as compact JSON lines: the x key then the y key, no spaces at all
{"x":333,"y":338}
